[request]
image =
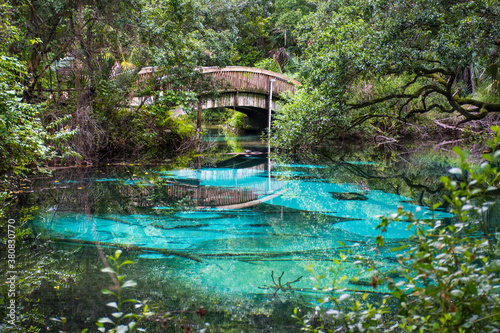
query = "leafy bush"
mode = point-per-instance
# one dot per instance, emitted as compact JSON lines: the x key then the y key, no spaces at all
{"x":449,"y":274}
{"x":236,"y":123}
{"x":23,"y":137}
{"x":121,"y":322}
{"x":298,"y":124}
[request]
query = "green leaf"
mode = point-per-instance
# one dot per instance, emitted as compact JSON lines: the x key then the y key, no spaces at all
{"x":487,"y":157}
{"x":457,"y":293}
{"x":105,"y":320}
{"x":455,"y":171}
{"x":117,"y":314}
{"x":122,"y":329}
{"x":131,"y":315}
{"x":129,"y":284}
{"x":108,"y":270}
{"x":472,"y":288}
{"x":399,"y":248}
{"x":113,"y":305}
{"x":130,"y":301}
{"x":457,"y":151}
{"x":107,"y":292}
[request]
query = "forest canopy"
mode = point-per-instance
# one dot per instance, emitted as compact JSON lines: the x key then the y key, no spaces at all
{"x":77,"y":64}
{"x":379,"y":60}
{"x":383,"y":66}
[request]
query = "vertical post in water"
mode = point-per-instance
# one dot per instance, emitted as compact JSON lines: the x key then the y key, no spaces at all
{"x":198,"y":121}
{"x":198,"y":127}
{"x":270,"y":104}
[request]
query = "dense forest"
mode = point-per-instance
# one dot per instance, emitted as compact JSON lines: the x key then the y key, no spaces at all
{"x":391,"y":69}
{"x":384,"y":72}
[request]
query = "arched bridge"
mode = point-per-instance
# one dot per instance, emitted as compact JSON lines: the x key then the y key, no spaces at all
{"x":246,"y":90}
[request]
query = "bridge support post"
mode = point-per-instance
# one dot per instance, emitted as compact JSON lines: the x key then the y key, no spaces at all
{"x":198,"y":121}
{"x":270,"y":104}
{"x":198,"y":127}
{"x":269,"y":131}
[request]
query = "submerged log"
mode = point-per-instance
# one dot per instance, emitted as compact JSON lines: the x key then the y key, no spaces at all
{"x":131,"y":248}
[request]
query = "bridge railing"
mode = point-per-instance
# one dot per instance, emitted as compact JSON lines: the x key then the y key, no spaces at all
{"x":252,"y":79}
{"x":239,"y":78}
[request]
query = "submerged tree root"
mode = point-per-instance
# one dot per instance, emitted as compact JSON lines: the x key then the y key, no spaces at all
{"x":131,"y":248}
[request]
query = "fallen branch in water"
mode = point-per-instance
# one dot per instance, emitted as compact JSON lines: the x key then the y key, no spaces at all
{"x":131,"y":248}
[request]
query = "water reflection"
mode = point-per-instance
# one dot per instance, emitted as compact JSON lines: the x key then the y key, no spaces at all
{"x":227,"y":227}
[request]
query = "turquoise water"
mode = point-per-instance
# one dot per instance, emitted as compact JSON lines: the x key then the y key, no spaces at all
{"x":225,"y":228}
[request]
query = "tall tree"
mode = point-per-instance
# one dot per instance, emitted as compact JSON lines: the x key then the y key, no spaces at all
{"x":24,"y":141}
{"x":398,"y":59}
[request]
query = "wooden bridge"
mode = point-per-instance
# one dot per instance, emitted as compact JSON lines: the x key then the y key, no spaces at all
{"x":246,"y":89}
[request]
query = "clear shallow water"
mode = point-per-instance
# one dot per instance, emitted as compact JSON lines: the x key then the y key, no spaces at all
{"x":225,"y":228}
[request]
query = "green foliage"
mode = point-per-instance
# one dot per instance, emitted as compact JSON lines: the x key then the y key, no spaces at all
{"x":34,"y":265}
{"x":449,"y":273}
{"x":246,"y":25}
{"x":23,"y":138}
{"x":216,"y":116}
{"x":300,"y":123}
{"x":287,"y":15}
{"x":84,"y":59}
{"x":121,"y":322}
{"x":270,"y":64}
{"x":236,"y":122}
{"x":372,"y":60}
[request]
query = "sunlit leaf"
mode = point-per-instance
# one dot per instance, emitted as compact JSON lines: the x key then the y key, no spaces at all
{"x":105,"y":320}
{"x":107,"y":292}
{"x":122,"y":329}
{"x":112,"y":304}
{"x":455,"y":171}
{"x":108,"y":270}
{"x":129,"y":284}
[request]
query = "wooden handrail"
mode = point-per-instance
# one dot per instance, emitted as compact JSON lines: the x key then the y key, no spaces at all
{"x":278,"y":76}
{"x":206,"y":70}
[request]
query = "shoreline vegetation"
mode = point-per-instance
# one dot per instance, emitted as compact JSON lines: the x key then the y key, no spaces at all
{"x":385,"y":77}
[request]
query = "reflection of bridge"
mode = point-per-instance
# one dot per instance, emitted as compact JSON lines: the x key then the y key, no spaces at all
{"x":243,"y":185}
{"x":246,"y":90}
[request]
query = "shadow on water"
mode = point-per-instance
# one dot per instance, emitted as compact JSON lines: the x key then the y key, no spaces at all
{"x":229,"y":232}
